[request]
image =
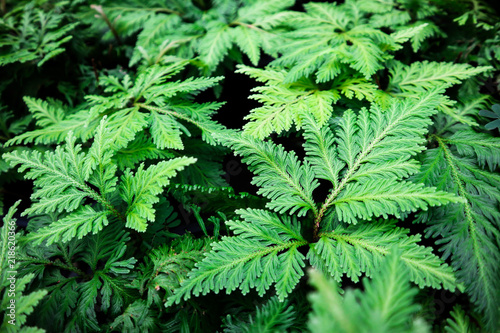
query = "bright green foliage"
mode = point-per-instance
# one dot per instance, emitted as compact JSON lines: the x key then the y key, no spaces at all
{"x":166,"y":104}
{"x":254,"y":252}
{"x":411,"y":20}
{"x":73,"y":304}
{"x":358,"y":249}
{"x":284,"y":102}
{"x":459,"y":322}
{"x":386,"y":305}
{"x":184,"y":31}
{"x":422,"y":76}
{"x":66,"y":177}
{"x":370,"y":148}
{"x":282,"y":178}
{"x":252,"y":260}
{"x":272,"y":316}
{"x":368,"y":120}
{"x":327,"y":36}
{"x":481,"y":15}
{"x":33,"y":35}
{"x":13,"y":289}
{"x":375,"y":148}
{"x":469,"y":229}
{"x":141,"y":190}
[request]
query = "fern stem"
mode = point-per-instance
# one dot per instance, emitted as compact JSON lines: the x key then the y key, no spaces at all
{"x":356,"y":241}
{"x":100,"y":10}
{"x":94,"y":195}
{"x":250,"y":26}
{"x":467,"y":210}
{"x":59,"y":264}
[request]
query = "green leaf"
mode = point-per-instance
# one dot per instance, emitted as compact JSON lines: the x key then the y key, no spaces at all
{"x":284,"y":180}
{"x":140,"y":190}
{"x":251,"y":259}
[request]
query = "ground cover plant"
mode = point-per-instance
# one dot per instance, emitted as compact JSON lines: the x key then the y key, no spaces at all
{"x":249,"y":166}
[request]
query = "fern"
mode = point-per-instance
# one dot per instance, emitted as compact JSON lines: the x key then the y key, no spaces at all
{"x":35,"y":35}
{"x":142,"y":211}
{"x":284,"y":102}
{"x":68,"y":176}
{"x":356,"y":250}
{"x":469,"y":229}
{"x":17,"y":304}
{"x":272,"y":316}
{"x":73,"y":305}
{"x":257,"y":249}
{"x":226,"y":25}
{"x":167,"y":104}
{"x":459,"y":322}
{"x":339,"y":32}
{"x":370,"y":150}
{"x":386,"y":304}
{"x":421,"y":76}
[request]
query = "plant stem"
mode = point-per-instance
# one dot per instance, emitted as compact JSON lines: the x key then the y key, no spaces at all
{"x":100,"y":10}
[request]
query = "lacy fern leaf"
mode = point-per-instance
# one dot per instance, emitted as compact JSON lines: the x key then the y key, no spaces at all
{"x":386,"y":304}
{"x":338,"y":32}
{"x":359,"y":249}
{"x":251,"y":260}
{"x":470,"y":228}
{"x":272,"y":316}
{"x":68,"y":176}
{"x":374,"y":148}
{"x":140,"y":191}
{"x":365,"y":163}
{"x":281,"y":176}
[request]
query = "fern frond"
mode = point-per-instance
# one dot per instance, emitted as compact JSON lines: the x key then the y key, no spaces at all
{"x":46,"y":113}
{"x":80,"y":123}
{"x":270,"y":317}
{"x":469,"y":229}
{"x":35,"y":35}
{"x":79,"y":223}
{"x":337,"y":32}
{"x":376,"y":147}
{"x":141,"y":189}
{"x":385,"y":305}
{"x":250,"y":260}
{"x":376,"y":198}
{"x":24,"y":304}
{"x":64,"y":179}
{"x":480,"y":146}
{"x":359,"y":249}
{"x":422,"y":76}
{"x":459,"y":322}
{"x":136,"y":317}
{"x":284,"y":180}
{"x":163,"y":131}
{"x":283,"y":102}
{"x":320,"y":149}
{"x":138,"y":150}
{"x":59,"y":176}
{"x":215,"y":44}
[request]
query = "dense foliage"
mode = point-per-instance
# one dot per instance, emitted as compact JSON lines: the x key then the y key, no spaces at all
{"x":358,"y":183}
